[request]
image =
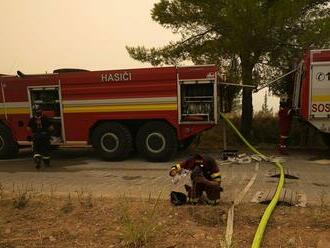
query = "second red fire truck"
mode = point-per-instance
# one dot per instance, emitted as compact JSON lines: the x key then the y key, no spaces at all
{"x":155,"y":111}
{"x":311,"y":98}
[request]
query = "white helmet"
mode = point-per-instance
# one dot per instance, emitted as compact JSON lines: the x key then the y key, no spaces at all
{"x":37,"y":110}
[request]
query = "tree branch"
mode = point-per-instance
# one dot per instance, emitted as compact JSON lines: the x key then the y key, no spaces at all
{"x":191,"y":38}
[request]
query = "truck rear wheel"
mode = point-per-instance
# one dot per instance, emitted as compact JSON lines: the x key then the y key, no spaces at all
{"x":112,"y":140}
{"x":156,"y":141}
{"x":8,"y":146}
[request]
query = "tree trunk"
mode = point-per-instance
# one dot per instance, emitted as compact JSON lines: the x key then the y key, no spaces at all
{"x":247,"y":108}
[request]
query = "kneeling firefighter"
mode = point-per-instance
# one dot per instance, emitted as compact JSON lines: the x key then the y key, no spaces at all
{"x":41,"y":127}
{"x":205,"y":176}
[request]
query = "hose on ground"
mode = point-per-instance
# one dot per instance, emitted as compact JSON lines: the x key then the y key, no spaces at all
{"x":271,"y":206}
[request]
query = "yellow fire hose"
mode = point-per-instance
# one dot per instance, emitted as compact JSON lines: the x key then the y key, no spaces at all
{"x":270,"y":208}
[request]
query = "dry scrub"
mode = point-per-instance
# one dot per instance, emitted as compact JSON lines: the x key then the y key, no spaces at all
{"x":83,"y":220}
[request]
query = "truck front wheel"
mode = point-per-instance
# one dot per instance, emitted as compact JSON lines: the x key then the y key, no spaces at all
{"x":8,"y":146}
{"x":112,"y":140}
{"x":156,"y":141}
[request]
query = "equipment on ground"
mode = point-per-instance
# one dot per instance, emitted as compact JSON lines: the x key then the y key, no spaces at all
{"x":271,"y":206}
{"x":178,"y":198}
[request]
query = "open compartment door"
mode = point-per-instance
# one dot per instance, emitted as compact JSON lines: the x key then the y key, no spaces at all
{"x":197,"y":101}
{"x":48,"y":98}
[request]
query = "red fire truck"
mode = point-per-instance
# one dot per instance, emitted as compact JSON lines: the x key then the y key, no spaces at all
{"x":311,"y":98}
{"x":153,"y":110}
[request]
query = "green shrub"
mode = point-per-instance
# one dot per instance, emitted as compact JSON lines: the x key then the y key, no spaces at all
{"x":22,"y":197}
{"x":138,"y":228}
{"x":265,"y":130}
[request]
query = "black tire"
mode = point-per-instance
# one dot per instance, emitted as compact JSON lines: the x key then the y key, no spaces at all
{"x":326,"y":139}
{"x":8,"y":146}
{"x":184,"y":144}
{"x":112,"y":140}
{"x":156,"y":141}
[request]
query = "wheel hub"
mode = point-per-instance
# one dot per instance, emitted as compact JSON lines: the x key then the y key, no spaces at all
{"x":155,"y":142}
{"x":109,"y":142}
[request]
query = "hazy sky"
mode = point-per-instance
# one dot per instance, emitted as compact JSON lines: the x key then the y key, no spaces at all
{"x":43,"y":35}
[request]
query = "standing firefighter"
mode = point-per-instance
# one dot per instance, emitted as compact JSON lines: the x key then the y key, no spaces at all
{"x":284,"y":121}
{"x":205,"y":176}
{"x":40,"y":126}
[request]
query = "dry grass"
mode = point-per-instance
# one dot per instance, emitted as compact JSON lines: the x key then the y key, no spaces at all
{"x":320,"y":213}
{"x":139,"y":227}
{"x":85,"y":198}
{"x":2,"y":188}
{"x":22,"y":195}
{"x":68,"y":205}
{"x":125,"y":222}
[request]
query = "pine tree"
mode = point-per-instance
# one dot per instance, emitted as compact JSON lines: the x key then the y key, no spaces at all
{"x":265,"y":110}
{"x":253,"y":32}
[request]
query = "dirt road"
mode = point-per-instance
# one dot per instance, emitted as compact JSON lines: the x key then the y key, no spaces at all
{"x":81,"y":170}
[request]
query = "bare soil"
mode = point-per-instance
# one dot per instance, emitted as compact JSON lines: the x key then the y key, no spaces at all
{"x":82,"y":220}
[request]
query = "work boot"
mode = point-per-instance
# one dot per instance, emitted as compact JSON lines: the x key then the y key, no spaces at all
{"x":193,"y":201}
{"x":213,"y":202}
{"x":37,"y":160}
{"x":283,"y":150}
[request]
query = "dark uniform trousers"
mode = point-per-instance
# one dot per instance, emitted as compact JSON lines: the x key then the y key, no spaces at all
{"x":41,"y":146}
{"x":212,"y":192}
{"x":195,"y":192}
{"x":40,"y":126}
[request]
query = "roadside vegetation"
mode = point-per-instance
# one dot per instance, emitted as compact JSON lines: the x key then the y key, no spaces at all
{"x":86,"y":220}
{"x":265,"y":134}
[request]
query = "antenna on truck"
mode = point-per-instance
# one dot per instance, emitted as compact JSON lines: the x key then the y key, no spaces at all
{"x":20,"y":74}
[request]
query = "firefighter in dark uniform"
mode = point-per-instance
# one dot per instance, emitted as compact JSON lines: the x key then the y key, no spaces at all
{"x":284,"y":122}
{"x":205,"y":176}
{"x":41,"y":127}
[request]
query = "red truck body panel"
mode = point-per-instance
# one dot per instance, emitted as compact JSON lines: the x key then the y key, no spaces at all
{"x":311,"y":96}
{"x":311,"y":57}
{"x":90,"y":97}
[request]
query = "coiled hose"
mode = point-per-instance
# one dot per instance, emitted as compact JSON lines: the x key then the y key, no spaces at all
{"x":271,"y":206}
